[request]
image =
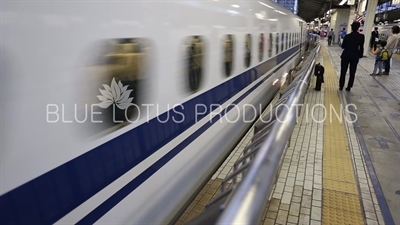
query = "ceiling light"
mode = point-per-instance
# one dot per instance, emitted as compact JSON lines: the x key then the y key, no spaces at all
{"x":235,"y":6}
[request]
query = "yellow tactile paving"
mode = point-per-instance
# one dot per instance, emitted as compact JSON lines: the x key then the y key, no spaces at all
{"x":344,"y":187}
{"x":336,"y":162}
{"x":331,"y":216}
{"x":339,"y":174}
{"x":335,"y":198}
{"x":340,"y":195}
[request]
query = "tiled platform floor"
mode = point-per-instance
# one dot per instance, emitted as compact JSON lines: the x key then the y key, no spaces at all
{"x":377,"y":130}
{"x":325,"y":178}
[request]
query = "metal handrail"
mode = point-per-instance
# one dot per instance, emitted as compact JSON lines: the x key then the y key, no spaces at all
{"x":248,"y":200}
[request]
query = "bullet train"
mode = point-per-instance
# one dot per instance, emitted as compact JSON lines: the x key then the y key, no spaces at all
{"x":385,"y":30}
{"x":116,"y":112}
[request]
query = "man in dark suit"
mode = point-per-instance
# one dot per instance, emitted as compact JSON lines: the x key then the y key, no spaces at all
{"x":374,"y":39}
{"x":353,"y":45}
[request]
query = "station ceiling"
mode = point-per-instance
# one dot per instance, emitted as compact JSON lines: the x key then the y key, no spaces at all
{"x":311,"y":9}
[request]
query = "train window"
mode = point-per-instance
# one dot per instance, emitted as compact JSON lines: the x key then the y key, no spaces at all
{"x":261,"y":47}
{"x":277,"y":43}
{"x":287,"y":41}
{"x":247,"y":57}
{"x":121,"y":71}
{"x":293,"y":38}
{"x":282,"y":42}
{"x":228,"y":59}
{"x":194,"y":69}
{"x":270,"y":45}
{"x":298,"y":38}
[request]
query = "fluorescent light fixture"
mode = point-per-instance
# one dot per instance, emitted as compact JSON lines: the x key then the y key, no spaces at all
{"x":235,"y":6}
{"x":342,"y":2}
{"x":276,"y":81}
{"x":273,"y":19}
{"x":262,"y":3}
{"x":285,"y":75}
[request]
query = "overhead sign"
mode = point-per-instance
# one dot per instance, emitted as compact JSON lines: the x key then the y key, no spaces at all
{"x":351,"y":2}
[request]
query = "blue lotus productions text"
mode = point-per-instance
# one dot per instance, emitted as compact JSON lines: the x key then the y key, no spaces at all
{"x":228,"y":113}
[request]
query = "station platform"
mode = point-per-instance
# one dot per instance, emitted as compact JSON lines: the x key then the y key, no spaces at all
{"x":337,"y":170}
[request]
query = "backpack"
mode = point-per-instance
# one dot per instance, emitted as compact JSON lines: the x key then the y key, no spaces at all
{"x":343,"y":34}
{"x":385,"y":55}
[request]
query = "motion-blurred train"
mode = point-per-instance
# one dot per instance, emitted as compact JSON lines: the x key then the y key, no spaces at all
{"x":385,"y":31}
{"x":116,"y":112}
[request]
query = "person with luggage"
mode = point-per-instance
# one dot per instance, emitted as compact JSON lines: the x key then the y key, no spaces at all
{"x":381,"y":57}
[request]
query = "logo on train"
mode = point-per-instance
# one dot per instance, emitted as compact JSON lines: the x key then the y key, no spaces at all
{"x":116,"y":94}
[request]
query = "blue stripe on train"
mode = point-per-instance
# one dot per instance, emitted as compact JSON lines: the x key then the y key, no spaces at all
{"x":49,"y":197}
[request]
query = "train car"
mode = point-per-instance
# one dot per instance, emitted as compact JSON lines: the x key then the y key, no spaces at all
{"x":116,"y":112}
{"x":385,"y":31}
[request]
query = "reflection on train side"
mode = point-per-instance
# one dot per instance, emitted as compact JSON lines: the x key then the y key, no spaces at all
{"x":194,"y":49}
{"x":287,"y":41}
{"x":228,"y":49}
{"x":270,"y":45}
{"x":248,"y":50}
{"x":117,"y":80}
{"x":261,"y":48}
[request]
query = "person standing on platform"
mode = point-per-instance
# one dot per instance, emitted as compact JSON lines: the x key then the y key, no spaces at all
{"x":353,"y":49}
{"x":374,"y":39}
{"x":330,"y":36}
{"x":342,"y":35}
{"x":391,"y":46}
{"x":380,"y":59}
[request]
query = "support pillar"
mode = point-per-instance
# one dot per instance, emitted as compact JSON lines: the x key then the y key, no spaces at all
{"x":368,"y":23}
{"x":352,"y":17}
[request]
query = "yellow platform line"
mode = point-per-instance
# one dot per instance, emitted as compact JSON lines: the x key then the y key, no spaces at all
{"x":340,"y":195}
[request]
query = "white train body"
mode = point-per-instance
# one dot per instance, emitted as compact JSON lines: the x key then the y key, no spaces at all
{"x":56,"y":54}
{"x":385,"y":31}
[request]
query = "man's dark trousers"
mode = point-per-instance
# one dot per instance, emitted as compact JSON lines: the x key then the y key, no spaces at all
{"x":344,"y":66}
